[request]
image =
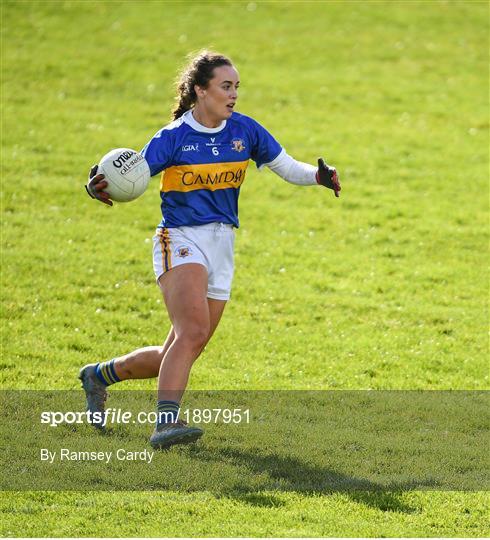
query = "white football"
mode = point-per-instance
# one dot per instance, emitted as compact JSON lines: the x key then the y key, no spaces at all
{"x":126,"y":172}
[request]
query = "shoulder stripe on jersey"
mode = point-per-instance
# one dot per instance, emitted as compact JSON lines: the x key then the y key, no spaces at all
{"x":210,"y":176}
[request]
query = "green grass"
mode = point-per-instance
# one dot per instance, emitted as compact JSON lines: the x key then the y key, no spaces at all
{"x":305,"y":442}
{"x":384,"y":288}
{"x":257,"y":515}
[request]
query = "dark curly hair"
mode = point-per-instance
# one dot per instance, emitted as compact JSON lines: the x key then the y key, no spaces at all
{"x":198,"y":72}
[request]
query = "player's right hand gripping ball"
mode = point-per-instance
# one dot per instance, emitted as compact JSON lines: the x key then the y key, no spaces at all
{"x":328,"y":177}
{"x":95,"y":186}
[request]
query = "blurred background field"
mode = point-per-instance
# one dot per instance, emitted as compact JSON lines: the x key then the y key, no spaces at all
{"x":384,"y":288}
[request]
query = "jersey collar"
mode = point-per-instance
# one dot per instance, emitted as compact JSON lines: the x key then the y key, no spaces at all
{"x":191,"y":121}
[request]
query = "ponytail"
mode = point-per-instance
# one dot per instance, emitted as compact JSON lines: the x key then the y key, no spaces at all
{"x":186,"y":98}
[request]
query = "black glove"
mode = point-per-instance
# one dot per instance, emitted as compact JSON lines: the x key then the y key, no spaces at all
{"x":328,"y":177}
{"x":95,"y":186}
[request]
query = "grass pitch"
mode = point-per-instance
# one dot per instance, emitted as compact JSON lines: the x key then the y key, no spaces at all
{"x":384,"y":288}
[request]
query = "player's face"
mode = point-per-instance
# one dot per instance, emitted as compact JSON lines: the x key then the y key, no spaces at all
{"x":216,"y":102}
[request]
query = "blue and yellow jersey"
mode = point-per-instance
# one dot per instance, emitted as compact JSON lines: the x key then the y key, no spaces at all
{"x":204,"y":168}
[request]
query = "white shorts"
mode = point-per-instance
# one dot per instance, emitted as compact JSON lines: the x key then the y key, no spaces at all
{"x":210,"y":245}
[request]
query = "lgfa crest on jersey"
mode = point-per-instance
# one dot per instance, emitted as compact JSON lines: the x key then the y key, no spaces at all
{"x":237,"y":145}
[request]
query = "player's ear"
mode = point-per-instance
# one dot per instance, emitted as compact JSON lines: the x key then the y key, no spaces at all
{"x":200,"y":92}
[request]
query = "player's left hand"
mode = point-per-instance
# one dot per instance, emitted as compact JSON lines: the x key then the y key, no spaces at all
{"x":95,"y":186}
{"x":327,"y":176}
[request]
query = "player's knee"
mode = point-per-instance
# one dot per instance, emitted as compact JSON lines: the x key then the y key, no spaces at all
{"x":194,"y":336}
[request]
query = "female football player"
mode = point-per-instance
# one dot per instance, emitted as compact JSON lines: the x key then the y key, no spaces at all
{"x":203,"y":155}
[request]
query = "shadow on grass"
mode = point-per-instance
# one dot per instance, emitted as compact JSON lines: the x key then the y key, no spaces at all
{"x":290,"y":474}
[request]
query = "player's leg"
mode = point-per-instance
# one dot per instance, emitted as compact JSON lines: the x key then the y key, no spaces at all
{"x":185,"y":292}
{"x":140,"y":364}
{"x":216,"y":309}
{"x":144,"y":363}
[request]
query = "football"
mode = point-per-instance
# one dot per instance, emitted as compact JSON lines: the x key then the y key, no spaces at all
{"x":126,"y":172}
